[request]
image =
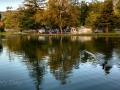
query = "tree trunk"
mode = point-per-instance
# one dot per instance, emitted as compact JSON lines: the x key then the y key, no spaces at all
{"x":60,"y":29}
{"x":60,"y":23}
{"x":106,"y":28}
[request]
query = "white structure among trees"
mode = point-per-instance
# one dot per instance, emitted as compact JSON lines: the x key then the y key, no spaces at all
{"x":80,"y":30}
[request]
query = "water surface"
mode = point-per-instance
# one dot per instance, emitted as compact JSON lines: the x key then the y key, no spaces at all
{"x":59,"y":63}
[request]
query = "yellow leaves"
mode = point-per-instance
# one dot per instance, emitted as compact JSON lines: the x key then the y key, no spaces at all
{"x":11,"y":20}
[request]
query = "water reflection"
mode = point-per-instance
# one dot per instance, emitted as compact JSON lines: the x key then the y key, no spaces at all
{"x":37,"y":71}
{"x":63,"y":54}
{"x":81,"y":38}
{"x":1,"y":48}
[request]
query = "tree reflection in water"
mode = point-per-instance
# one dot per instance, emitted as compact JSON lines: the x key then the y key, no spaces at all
{"x":66,"y":54}
{"x":1,"y":48}
{"x":37,"y":71}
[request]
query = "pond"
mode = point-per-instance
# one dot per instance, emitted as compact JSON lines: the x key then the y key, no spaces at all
{"x":59,"y":63}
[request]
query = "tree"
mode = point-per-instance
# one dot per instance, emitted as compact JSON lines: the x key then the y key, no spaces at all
{"x":93,"y":13}
{"x":26,"y":18}
{"x":117,"y":12}
{"x":11,"y":20}
{"x":61,"y":13}
{"x":117,"y":7}
{"x":83,"y":12}
{"x":27,"y":14}
{"x":41,"y":17}
{"x":107,"y":17}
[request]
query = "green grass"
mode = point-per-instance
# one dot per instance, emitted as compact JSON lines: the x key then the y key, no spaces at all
{"x":91,"y":34}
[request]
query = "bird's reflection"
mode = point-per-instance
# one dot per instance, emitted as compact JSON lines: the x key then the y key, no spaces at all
{"x":106,"y":67}
{"x":104,"y":64}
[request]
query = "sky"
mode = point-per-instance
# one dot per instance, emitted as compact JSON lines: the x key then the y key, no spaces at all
{"x":6,"y":3}
{"x":14,"y":3}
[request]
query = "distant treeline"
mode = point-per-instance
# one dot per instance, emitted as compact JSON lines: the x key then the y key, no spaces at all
{"x":60,"y":14}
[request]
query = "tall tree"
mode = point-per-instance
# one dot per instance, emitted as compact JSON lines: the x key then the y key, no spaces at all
{"x":117,"y":12}
{"x":26,"y":18}
{"x":28,"y":12}
{"x":41,"y":17}
{"x":93,"y":13}
{"x":11,"y":20}
{"x":107,"y":17}
{"x":117,"y":7}
{"x":83,"y":12}
{"x":62,"y":13}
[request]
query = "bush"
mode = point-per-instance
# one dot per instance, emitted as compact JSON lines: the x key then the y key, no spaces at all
{"x":2,"y":29}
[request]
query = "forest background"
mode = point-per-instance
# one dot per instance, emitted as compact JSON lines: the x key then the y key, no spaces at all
{"x":60,"y":14}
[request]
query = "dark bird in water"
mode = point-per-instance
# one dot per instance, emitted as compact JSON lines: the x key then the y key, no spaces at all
{"x":104,"y":64}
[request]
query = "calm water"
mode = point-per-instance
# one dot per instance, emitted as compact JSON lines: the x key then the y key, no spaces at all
{"x":59,"y":63}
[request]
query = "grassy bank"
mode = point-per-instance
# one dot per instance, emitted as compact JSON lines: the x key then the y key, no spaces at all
{"x":92,"y":34}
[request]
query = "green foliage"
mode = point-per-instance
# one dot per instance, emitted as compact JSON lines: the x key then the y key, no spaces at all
{"x":63,"y":13}
{"x":117,"y":7}
{"x":83,"y":12}
{"x":59,"y":13}
{"x":11,"y":20}
{"x":26,"y":18}
{"x":93,"y":13}
{"x":106,"y":16}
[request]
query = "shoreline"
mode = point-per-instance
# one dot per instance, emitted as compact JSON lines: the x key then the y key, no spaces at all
{"x":91,"y":34}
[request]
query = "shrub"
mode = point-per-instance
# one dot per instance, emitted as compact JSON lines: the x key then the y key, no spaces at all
{"x":2,"y":29}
